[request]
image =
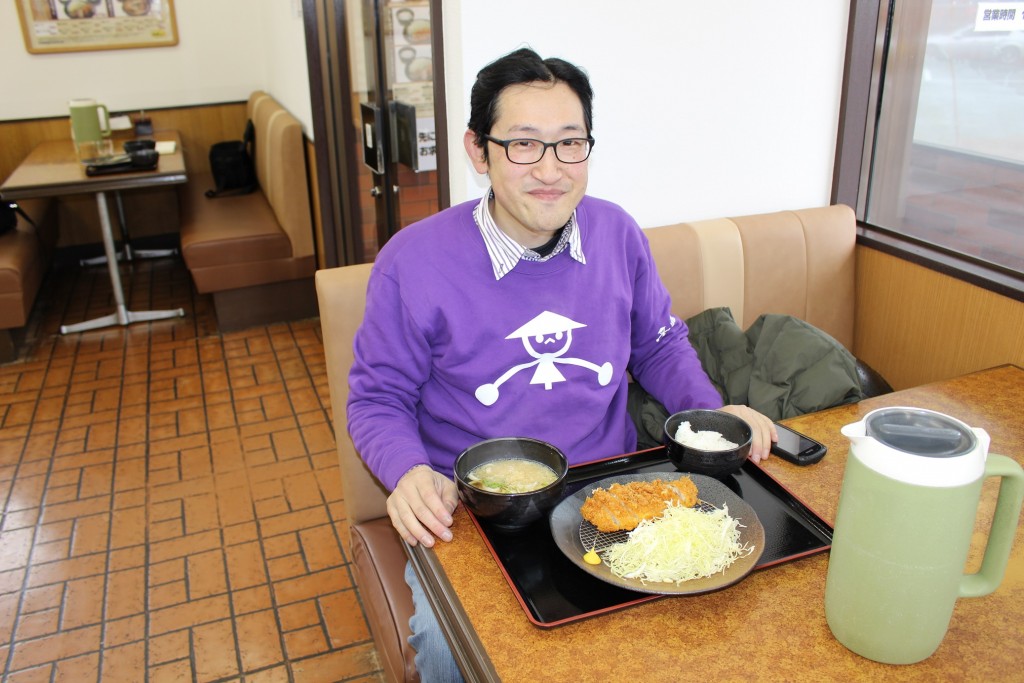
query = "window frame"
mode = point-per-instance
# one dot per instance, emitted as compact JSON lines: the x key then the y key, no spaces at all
{"x":871,"y":38}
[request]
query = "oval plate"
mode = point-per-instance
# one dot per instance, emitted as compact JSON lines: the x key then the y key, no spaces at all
{"x":566,"y":522}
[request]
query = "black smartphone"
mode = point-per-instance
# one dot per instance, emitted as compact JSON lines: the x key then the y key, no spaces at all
{"x":797,"y":448}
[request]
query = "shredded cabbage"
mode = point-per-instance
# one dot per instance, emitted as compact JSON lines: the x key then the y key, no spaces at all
{"x":682,"y":544}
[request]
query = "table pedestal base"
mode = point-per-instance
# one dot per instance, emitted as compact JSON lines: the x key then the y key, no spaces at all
{"x":127,"y":253}
{"x":122,"y":317}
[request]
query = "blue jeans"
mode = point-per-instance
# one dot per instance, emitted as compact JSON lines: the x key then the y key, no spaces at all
{"x":434,"y":660}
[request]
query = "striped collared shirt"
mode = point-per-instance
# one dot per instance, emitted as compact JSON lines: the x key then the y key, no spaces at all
{"x":505,"y":252}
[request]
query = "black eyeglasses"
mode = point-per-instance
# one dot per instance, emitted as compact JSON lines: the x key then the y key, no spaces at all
{"x":530,"y":151}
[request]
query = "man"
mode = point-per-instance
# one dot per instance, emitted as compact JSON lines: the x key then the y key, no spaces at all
{"x":522,"y":314}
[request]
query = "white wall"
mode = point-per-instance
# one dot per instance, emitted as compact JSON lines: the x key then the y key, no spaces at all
{"x":701,"y":109}
{"x":284,"y":56}
{"x":226,"y":49}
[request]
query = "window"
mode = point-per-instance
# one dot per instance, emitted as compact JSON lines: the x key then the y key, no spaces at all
{"x":931,"y":148}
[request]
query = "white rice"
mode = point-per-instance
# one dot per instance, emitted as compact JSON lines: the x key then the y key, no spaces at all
{"x":705,"y":440}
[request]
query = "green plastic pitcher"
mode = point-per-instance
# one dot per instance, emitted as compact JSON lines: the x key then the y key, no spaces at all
{"x":90,"y":128}
{"x":90,"y":121}
{"x":903,"y":531}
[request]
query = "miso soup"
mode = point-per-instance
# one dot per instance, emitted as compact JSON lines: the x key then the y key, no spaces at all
{"x":512,"y":475}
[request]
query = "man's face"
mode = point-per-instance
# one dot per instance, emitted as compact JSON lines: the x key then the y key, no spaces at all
{"x":532,"y":201}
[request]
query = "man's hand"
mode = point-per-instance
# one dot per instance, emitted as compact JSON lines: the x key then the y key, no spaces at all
{"x":764,"y":430}
{"x":421,"y":506}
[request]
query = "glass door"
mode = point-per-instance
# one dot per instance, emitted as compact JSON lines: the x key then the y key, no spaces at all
{"x":392,"y":74}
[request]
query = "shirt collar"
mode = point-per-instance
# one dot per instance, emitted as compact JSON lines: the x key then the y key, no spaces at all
{"x":505,"y":252}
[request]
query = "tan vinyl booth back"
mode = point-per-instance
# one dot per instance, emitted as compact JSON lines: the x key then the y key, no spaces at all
{"x":342,"y":296}
{"x":797,"y":263}
{"x":378,"y":557}
{"x":280,"y":166}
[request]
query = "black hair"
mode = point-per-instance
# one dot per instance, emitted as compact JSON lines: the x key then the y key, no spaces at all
{"x":519,"y":67}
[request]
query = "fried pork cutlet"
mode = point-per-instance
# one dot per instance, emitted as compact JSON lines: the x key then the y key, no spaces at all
{"x":621,"y":507}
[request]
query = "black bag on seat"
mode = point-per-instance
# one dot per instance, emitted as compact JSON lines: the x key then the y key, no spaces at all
{"x":233,"y":167}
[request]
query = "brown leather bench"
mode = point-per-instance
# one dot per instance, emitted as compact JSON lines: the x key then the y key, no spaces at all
{"x":731,"y":262}
{"x":255,"y":253}
{"x":25,"y":255}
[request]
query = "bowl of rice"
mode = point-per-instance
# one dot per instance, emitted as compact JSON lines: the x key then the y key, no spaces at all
{"x":510,"y":483}
{"x":707,"y":442}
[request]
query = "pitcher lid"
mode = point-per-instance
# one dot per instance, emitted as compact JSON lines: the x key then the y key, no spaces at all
{"x":920,"y":432}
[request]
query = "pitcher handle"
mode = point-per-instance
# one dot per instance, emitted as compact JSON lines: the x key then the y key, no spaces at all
{"x":1004,"y":527}
{"x":105,"y":124}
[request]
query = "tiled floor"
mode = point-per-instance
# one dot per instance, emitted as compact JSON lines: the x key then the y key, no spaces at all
{"x":171,"y":503}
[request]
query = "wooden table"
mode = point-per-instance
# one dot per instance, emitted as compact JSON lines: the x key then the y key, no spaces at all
{"x":52,"y":169}
{"x":771,"y":626}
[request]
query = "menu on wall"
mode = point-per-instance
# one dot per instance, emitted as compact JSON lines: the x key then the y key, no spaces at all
{"x":80,"y":25}
{"x":412,"y":82}
{"x":410,"y":33}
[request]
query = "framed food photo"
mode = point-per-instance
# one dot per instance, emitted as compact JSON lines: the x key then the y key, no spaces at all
{"x":83,"y":25}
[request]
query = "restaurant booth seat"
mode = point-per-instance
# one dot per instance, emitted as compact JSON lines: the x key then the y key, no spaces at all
{"x":25,"y":256}
{"x":791,"y":262}
{"x":378,"y":559}
{"x":255,"y":252}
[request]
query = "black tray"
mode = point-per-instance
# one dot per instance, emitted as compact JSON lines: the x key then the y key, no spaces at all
{"x":553,"y":591}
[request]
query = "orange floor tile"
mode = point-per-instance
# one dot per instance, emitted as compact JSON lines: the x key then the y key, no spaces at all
{"x":171,"y":503}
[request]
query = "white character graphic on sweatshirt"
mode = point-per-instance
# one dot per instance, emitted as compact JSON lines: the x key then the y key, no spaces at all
{"x":547,"y":328}
{"x":665,"y":328}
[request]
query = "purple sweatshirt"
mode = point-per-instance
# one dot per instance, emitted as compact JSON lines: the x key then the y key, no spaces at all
{"x":447,"y":356}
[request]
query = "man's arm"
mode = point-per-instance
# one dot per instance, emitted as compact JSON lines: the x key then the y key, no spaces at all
{"x":665,"y":363}
{"x":392,"y":360}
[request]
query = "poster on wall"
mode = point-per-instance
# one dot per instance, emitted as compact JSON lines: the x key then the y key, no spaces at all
{"x":83,"y":25}
{"x":411,"y":75}
{"x":410,"y":31}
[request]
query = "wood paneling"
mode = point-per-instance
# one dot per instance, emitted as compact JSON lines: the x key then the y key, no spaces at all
{"x":201,"y":127}
{"x":19,"y":137}
{"x":915,"y":325}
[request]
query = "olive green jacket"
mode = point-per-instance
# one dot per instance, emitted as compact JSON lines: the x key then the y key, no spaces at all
{"x":781,"y":366}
